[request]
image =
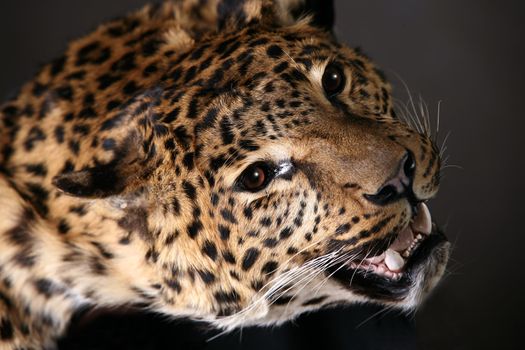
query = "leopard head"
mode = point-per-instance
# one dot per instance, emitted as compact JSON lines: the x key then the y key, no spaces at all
{"x":263,"y":173}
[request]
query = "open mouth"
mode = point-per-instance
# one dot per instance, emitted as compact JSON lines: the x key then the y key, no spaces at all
{"x":391,"y":273}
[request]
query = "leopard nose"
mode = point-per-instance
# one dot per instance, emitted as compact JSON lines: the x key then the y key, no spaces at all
{"x":399,"y":186}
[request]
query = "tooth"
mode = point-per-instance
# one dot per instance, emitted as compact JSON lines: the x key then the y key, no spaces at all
{"x":393,"y":260}
{"x":423,"y":220}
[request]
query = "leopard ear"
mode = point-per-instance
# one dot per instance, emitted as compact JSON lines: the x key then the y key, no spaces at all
{"x":238,"y":13}
{"x":126,"y":144}
{"x":278,"y":12}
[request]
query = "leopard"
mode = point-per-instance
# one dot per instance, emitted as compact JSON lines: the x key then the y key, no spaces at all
{"x":226,"y":161}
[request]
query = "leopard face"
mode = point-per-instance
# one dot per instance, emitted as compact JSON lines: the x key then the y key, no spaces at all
{"x":240,"y":176}
{"x":313,"y":190}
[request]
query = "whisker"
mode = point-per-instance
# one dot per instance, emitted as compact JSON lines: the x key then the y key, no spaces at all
{"x":384,"y":310}
{"x":438,"y":119}
{"x":412,"y":104}
{"x":443,"y":147}
{"x":327,"y":278}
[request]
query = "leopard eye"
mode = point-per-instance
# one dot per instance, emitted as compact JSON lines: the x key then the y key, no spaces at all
{"x":256,"y":177}
{"x":333,"y":79}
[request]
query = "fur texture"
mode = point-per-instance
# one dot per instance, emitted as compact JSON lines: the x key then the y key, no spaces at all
{"x":120,"y":166}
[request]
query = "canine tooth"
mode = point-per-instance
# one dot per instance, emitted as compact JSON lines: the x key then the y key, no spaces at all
{"x":393,"y":260}
{"x":423,"y":220}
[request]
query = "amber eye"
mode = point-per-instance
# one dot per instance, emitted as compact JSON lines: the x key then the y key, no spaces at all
{"x":333,"y":79}
{"x":255,"y":177}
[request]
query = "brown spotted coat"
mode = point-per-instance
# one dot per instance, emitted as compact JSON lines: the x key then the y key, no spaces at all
{"x":119,"y":160}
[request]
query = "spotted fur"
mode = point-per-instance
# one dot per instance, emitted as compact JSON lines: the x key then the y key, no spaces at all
{"x":119,"y":167}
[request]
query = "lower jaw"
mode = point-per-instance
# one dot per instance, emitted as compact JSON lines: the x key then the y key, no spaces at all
{"x":381,"y":288}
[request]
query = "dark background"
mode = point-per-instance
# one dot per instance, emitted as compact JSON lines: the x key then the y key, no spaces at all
{"x":468,"y":54}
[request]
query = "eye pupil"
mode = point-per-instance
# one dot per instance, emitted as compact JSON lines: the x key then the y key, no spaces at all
{"x":255,"y":177}
{"x":333,"y":80}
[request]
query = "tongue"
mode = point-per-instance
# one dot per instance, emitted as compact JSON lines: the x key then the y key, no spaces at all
{"x":422,"y":224}
{"x":403,"y":240}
